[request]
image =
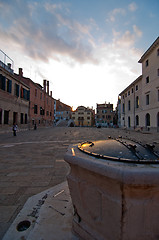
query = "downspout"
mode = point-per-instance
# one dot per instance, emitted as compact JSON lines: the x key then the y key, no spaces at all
{"x":134,"y":105}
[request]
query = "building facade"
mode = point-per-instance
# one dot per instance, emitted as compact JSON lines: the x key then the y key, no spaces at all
{"x":83,"y":117}
{"x":140,"y":100}
{"x":105,"y":115}
{"x":62,"y":111}
{"x":41,"y":111}
{"x":131,"y":104}
{"x":14,"y":98}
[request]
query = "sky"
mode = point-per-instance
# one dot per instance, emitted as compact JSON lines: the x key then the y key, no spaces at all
{"x":87,"y":49}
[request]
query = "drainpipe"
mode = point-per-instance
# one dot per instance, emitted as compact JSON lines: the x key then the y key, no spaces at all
{"x":134,"y":105}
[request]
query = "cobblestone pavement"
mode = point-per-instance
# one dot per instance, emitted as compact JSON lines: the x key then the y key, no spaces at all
{"x":33,"y":161}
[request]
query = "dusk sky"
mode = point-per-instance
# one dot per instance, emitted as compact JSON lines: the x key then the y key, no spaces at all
{"x":87,"y":49}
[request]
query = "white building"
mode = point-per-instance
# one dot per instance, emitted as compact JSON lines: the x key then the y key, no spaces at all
{"x":140,"y":100}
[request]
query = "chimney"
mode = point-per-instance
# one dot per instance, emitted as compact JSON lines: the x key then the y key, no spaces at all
{"x":9,"y":65}
{"x":21,"y":72}
{"x":47,"y":87}
{"x":51,"y":93}
{"x":44,"y":85}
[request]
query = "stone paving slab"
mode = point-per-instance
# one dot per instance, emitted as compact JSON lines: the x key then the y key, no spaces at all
{"x":49,"y":214}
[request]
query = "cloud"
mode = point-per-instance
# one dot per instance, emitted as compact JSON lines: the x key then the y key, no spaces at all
{"x":132,"y":7}
{"x":137,"y":31}
{"x":44,"y":30}
{"x":127,"y":39}
{"x":113,"y":14}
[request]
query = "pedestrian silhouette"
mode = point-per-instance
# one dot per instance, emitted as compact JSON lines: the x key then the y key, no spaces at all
{"x":14,"y":129}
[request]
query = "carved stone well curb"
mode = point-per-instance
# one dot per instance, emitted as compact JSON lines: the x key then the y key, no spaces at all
{"x":113,"y":200}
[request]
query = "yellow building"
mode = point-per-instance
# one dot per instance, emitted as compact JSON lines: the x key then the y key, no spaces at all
{"x":83,"y":117}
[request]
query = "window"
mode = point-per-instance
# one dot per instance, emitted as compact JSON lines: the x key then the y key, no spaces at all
{"x":158,"y":52}
{"x":25,"y":94}
{"x":136,"y":87}
{"x":123,"y":108}
{"x":128,"y":93}
{"x":26,"y":118}
{"x":147,"y":99}
{"x":132,"y":90}
{"x":47,"y":113}
{"x":137,"y":120}
{"x":6,"y":117}
{"x":2,"y":82}
{"x":35,"y":109}
{"x":129,"y":106}
{"x":147,"y":63}
{"x":147,"y":79}
{"x":16,"y":90}
{"x":129,"y":122}
{"x":125,"y":94}
{"x":21,"y":118}
{"x":40,"y":95}
{"x":9,"y":86}
{"x":0,"y":115}
{"x":137,"y":102}
{"x":158,"y":72}
{"x":147,"y":118}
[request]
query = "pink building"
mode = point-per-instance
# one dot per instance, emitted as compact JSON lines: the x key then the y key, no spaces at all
{"x":41,"y":110}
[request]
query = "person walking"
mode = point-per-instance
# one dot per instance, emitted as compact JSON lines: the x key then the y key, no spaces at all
{"x":14,"y":129}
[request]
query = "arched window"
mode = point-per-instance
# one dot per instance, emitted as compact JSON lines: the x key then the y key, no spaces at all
{"x":147,"y":120}
{"x":137,"y":120}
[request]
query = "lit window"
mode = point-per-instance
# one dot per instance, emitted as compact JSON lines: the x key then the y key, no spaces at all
{"x":137,"y":102}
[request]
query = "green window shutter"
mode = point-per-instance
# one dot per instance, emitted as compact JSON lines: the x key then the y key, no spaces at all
{"x":28,"y":95}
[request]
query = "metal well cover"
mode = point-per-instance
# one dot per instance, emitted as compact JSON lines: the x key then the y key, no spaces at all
{"x":121,"y":150}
